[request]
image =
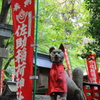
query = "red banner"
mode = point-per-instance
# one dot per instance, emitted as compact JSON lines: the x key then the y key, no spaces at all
{"x":12,"y":77}
{"x":67,"y":63}
{"x":92,"y":69}
{"x":23,"y":23}
{"x":1,"y":82}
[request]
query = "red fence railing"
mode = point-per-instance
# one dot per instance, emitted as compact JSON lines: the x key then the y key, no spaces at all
{"x":91,"y":91}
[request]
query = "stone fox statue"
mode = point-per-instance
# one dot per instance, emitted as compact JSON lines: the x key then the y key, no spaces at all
{"x":60,"y":83}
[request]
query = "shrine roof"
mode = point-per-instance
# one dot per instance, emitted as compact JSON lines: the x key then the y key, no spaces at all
{"x":43,"y":60}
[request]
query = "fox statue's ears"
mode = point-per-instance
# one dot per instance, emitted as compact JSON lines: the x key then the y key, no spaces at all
{"x":51,"y":49}
{"x":60,"y":47}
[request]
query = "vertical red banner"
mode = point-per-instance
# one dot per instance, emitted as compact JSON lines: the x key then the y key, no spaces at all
{"x":67,"y":63}
{"x":1,"y":82}
{"x":12,"y":77}
{"x":92,"y":69}
{"x":23,"y":24}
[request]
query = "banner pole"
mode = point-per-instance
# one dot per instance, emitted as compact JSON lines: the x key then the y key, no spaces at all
{"x":36,"y":48}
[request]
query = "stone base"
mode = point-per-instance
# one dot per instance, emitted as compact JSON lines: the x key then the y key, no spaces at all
{"x":44,"y":97}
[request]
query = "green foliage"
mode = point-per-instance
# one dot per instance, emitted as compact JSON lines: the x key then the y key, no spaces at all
{"x":10,"y":69}
{"x":60,"y":21}
{"x":55,"y":23}
{"x":0,"y":5}
{"x":63,"y":22}
{"x":93,"y":29}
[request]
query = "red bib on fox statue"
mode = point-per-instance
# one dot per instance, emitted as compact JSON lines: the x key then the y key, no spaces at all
{"x":57,"y":84}
{"x":57,"y":79}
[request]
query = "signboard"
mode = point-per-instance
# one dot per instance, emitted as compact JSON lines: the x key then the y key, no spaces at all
{"x":92,"y":69}
{"x":23,"y":24}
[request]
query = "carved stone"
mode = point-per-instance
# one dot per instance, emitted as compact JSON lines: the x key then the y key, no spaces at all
{"x":3,"y":53}
{"x":5,"y":31}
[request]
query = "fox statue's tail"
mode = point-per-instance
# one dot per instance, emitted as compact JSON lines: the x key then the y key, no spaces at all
{"x":78,"y":79}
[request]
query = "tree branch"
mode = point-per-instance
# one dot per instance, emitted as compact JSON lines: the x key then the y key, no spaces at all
{"x":6,"y":66}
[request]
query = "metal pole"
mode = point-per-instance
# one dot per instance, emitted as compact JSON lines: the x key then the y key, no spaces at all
{"x":36,"y":42}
